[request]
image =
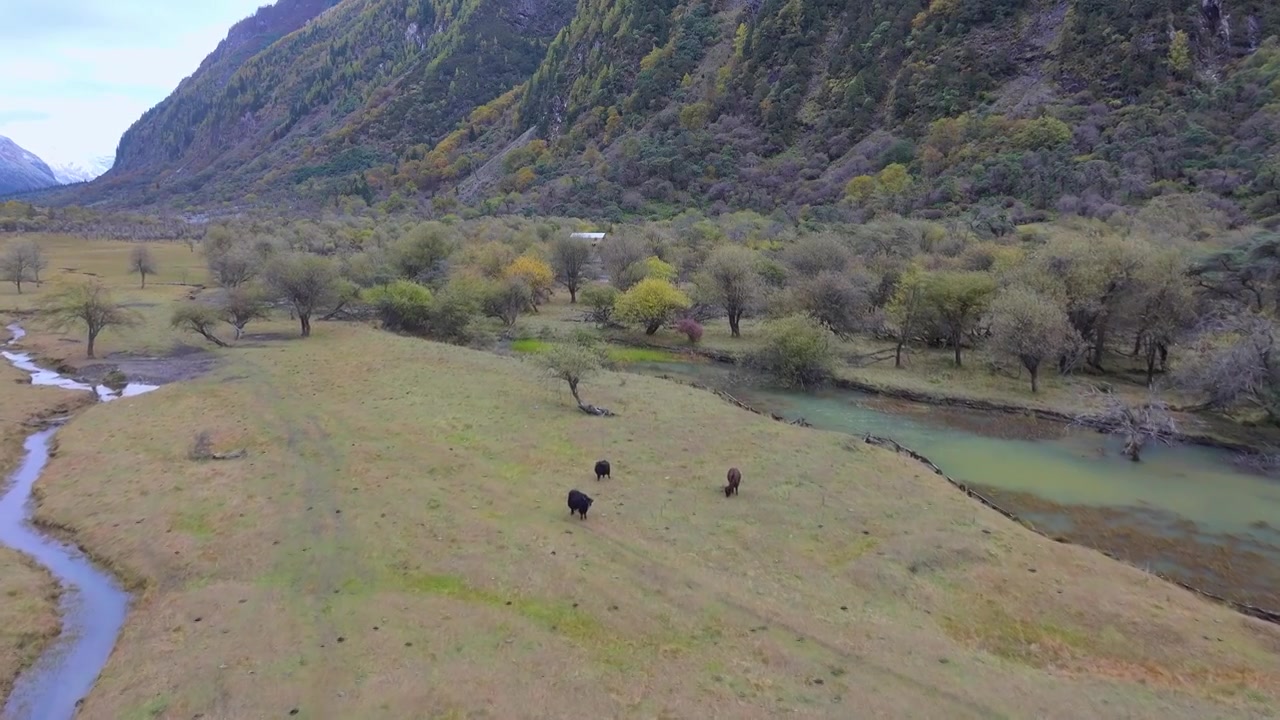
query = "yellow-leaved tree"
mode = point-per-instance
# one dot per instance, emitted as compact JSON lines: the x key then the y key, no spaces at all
{"x":535,"y":273}
{"x":651,"y":303}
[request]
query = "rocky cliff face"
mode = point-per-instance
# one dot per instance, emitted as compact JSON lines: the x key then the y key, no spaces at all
{"x":21,"y":171}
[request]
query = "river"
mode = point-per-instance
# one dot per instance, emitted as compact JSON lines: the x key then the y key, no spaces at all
{"x":1185,"y":511}
{"x":93,"y":604}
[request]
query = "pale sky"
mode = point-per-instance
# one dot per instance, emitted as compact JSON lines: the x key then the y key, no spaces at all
{"x":75,"y":74}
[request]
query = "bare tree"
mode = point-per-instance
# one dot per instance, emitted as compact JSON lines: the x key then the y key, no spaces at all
{"x":839,"y":301}
{"x":235,"y":266}
{"x":619,"y":252}
{"x":86,"y":304}
{"x":16,"y":266}
{"x":305,"y":281}
{"x":243,"y":305}
{"x":1136,"y":424}
{"x":36,"y":259}
{"x":729,"y":279}
{"x":1235,"y":361}
{"x":143,"y":262}
{"x":197,"y":318}
{"x":569,"y":258}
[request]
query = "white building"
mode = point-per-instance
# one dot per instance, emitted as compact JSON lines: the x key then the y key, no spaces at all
{"x":594,"y":237}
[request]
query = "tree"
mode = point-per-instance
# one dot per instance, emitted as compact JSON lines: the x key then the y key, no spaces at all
{"x":1137,"y":424}
{"x":1236,"y":359}
{"x":817,"y":253}
{"x":403,"y":305}
{"x":305,"y":281}
{"x":729,"y":279}
{"x":570,"y":257}
{"x":16,"y":265}
{"x":142,"y":261}
{"x":839,"y":301}
{"x":536,"y":275}
{"x":198,"y":318}
{"x":234,"y":266}
{"x":1029,"y":328}
{"x":23,"y":262}
{"x":506,"y":299}
{"x":618,"y":252}
{"x":1161,"y":307}
{"x":1180,"y":55}
{"x":796,"y":352}
{"x":573,"y":362}
{"x":1090,"y":277}
{"x":651,"y":303}
{"x":243,"y":305}
{"x":601,"y":299}
{"x":959,"y":298}
{"x":908,"y":308}
{"x":422,"y":252}
{"x":38,"y":260}
{"x":88,"y":304}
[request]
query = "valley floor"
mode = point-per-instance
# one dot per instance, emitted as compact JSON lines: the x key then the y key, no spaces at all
{"x":397,"y":544}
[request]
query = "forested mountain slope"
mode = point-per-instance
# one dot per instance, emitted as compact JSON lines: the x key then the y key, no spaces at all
{"x":805,"y":106}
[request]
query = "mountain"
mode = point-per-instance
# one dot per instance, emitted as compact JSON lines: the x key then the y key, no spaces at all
{"x":21,"y":170}
{"x":808,"y":107}
{"x":72,"y":172}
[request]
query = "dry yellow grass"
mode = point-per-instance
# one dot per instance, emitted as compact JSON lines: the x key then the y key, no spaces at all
{"x":397,"y":544}
{"x":75,"y":259}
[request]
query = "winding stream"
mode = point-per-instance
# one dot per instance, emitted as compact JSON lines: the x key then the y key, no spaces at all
{"x":1185,"y":511}
{"x":93,"y":604}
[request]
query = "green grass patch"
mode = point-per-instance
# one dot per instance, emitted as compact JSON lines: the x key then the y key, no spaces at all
{"x":617,"y":354}
{"x":641,"y":355}
{"x":530,"y":345}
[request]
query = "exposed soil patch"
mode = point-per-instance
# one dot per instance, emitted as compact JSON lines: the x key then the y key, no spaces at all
{"x":184,"y":362}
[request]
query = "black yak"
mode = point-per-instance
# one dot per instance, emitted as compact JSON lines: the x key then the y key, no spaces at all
{"x":735,"y":478}
{"x":579,"y":503}
{"x":602,"y":470}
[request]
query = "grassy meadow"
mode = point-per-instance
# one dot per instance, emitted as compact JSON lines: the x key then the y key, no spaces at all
{"x":396,"y":544}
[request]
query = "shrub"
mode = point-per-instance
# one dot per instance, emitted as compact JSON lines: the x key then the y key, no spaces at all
{"x":403,"y":305}
{"x":691,"y":328}
{"x":797,"y":352}
{"x":601,"y":299}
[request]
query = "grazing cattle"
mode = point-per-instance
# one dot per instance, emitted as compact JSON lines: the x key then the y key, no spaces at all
{"x":735,"y":478}
{"x":579,"y":503}
{"x":602,"y":470}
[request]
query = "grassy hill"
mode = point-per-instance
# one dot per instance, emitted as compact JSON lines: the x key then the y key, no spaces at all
{"x":397,"y":543}
{"x":1020,"y":106}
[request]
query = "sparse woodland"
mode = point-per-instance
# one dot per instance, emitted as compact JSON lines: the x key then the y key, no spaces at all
{"x":1151,"y":297}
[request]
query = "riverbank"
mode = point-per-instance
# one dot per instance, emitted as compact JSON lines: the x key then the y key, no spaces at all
{"x":928,"y":377}
{"x":1269,"y":615}
{"x":410,"y":524}
{"x":1214,"y":432}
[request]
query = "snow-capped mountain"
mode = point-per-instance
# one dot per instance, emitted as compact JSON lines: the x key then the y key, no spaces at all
{"x":21,"y":170}
{"x":72,"y":172}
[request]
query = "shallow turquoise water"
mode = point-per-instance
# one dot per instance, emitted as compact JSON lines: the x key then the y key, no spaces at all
{"x":1189,"y":494}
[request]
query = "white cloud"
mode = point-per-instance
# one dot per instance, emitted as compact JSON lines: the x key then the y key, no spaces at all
{"x":75,"y":74}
